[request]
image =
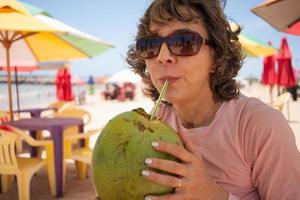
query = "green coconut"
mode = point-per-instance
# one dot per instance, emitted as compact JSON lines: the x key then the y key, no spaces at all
{"x":120,"y":152}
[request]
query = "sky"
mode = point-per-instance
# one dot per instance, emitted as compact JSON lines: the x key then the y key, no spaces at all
{"x":115,"y":21}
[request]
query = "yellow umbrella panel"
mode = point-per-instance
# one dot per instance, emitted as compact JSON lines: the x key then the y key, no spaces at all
{"x":255,"y":48}
{"x":49,"y":47}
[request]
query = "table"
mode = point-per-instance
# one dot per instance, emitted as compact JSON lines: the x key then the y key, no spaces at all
{"x":56,"y":127}
{"x":34,"y":112}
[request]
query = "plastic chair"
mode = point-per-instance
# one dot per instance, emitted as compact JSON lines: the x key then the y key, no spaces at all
{"x":68,"y":110}
{"x":4,"y":116}
{"x":73,"y":131}
{"x":81,"y":155}
{"x":59,"y":106}
{"x":72,"y":112}
{"x":282,"y":100}
{"x":23,"y":168}
{"x":76,"y":113}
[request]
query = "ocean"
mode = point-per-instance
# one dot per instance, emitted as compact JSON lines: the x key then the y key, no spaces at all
{"x":35,"y":95}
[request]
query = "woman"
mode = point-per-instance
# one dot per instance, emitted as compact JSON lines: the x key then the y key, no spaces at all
{"x":235,"y":147}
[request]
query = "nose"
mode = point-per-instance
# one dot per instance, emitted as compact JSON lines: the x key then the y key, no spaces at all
{"x":165,"y":55}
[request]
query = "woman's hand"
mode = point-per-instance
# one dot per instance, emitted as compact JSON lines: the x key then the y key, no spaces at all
{"x":192,"y":181}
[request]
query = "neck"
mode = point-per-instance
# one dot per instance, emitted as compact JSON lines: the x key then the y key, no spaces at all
{"x":197,"y":112}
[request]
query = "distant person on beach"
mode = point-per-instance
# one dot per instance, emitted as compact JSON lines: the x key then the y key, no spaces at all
{"x":112,"y":91}
{"x":129,"y":89}
{"x":236,"y":147}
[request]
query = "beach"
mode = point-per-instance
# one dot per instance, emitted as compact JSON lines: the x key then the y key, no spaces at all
{"x":101,"y":112}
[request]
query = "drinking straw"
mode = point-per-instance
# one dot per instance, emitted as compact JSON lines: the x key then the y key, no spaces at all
{"x":159,"y":100}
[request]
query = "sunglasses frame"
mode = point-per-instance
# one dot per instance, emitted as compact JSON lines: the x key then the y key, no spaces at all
{"x":166,"y":41}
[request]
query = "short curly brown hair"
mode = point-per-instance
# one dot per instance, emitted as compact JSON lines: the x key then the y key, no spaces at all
{"x":228,"y":57}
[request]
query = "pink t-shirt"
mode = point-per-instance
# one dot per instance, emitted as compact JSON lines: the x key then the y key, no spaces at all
{"x":249,"y":149}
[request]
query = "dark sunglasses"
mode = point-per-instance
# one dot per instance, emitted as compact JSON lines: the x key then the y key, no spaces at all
{"x":179,"y":44}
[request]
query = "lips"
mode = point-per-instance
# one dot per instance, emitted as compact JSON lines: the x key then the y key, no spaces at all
{"x":170,"y":79}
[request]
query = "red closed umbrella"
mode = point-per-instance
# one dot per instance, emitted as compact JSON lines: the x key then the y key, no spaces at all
{"x":67,"y":86}
{"x":269,"y":76}
{"x":286,"y":76}
{"x":59,"y":84}
{"x":64,"y":85}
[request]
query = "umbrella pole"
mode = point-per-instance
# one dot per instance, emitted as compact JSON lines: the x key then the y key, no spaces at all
{"x":17,"y":88}
{"x":7,"y":45}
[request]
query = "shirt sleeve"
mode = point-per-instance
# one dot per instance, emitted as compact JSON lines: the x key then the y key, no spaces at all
{"x":271,"y":151}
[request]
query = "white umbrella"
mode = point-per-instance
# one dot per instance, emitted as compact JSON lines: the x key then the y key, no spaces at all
{"x":123,"y":76}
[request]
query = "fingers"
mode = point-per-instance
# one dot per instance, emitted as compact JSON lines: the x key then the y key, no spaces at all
{"x":164,"y":197}
{"x":175,"y":150}
{"x":162,"y":179}
{"x":167,"y":166}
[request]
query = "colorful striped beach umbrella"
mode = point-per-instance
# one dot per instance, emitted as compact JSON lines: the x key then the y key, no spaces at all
{"x":253,"y":46}
{"x":28,"y":40}
{"x":90,"y":46}
{"x":283,"y":15}
{"x":33,"y":10}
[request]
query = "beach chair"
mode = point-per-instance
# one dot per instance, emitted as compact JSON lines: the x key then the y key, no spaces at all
{"x":281,"y":102}
{"x":59,"y":106}
{"x":81,"y":155}
{"x":4,"y":116}
{"x":73,"y":131}
{"x":23,"y":168}
{"x":76,"y":113}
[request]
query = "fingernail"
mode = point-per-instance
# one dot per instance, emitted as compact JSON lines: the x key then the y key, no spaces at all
{"x":147,"y":198}
{"x":145,"y":172}
{"x":155,"y":144}
{"x":148,"y":161}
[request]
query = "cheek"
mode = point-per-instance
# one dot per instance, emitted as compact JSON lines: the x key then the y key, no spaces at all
{"x":153,"y":72}
{"x":198,"y":69}
{"x":204,"y":62}
{"x":151,"y":68}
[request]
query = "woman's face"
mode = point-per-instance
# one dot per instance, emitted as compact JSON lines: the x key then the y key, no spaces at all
{"x":188,"y":76}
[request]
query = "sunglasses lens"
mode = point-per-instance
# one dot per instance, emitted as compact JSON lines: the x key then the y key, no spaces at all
{"x":148,"y":47}
{"x":185,"y":44}
{"x":180,"y":44}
